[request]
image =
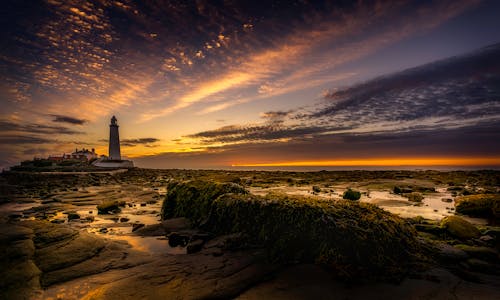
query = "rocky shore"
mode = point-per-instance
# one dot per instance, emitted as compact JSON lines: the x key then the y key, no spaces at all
{"x":160,"y":234}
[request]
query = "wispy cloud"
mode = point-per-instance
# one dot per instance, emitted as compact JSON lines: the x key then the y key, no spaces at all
{"x":67,"y":119}
{"x":140,"y":141}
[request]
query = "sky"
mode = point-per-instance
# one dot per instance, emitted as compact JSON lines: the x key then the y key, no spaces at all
{"x":205,"y":84}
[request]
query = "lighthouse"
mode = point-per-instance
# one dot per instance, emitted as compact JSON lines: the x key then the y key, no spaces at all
{"x":114,"y":140}
{"x":114,"y":160}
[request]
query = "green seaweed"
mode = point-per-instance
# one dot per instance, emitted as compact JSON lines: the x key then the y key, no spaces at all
{"x":353,"y":239}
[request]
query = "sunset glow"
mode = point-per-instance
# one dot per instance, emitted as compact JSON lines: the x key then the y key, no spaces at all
{"x":384,"y":162}
{"x":299,"y":81}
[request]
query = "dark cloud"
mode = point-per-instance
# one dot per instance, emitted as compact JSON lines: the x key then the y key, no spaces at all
{"x":460,"y":92}
{"x":33,"y":128}
{"x":459,"y":89}
{"x":66,"y":119}
{"x":140,"y":141}
{"x":255,"y":133}
{"x":18,"y":140}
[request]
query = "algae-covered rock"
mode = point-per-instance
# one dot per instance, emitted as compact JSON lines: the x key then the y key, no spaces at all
{"x":484,"y":253}
{"x":481,"y":205}
{"x":351,"y":195}
{"x":193,"y":199}
{"x":110,"y":207}
{"x":354,"y":239}
{"x":460,"y":228}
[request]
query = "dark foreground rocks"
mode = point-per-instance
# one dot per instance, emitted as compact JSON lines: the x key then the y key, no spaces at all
{"x":354,"y":240}
{"x":38,"y":254}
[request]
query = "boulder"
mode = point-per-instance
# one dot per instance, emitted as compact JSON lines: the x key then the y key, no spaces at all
{"x":449,"y":253}
{"x":176,"y":224}
{"x":110,"y":207}
{"x":481,"y":205}
{"x":484,"y":253}
{"x":177,"y":239}
{"x":460,"y":228}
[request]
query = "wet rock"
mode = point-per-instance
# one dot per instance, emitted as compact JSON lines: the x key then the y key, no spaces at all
{"x":484,"y":253}
{"x":176,"y":239}
{"x":136,"y":226}
{"x":110,"y":207}
{"x":151,"y":230}
{"x":176,"y":224}
{"x":79,"y":248}
{"x":194,"y":246}
{"x":487,"y":238}
{"x":430,"y":228}
{"x":103,"y":230}
{"x":73,"y":216}
{"x":481,"y":205}
{"x":460,"y":228}
{"x":494,"y":232}
{"x":449,"y":253}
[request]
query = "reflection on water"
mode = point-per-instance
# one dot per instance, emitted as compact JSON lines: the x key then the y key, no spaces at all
{"x":152,"y":245}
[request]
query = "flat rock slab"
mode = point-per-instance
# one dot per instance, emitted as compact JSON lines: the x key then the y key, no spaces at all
{"x":195,"y":276}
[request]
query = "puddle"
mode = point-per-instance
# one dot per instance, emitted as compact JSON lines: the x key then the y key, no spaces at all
{"x":150,"y":244}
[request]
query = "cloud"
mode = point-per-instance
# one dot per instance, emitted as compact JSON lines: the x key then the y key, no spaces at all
{"x":18,"y":140}
{"x":141,"y":141}
{"x":35,"y":128}
{"x":66,"y":119}
{"x":460,"y":92}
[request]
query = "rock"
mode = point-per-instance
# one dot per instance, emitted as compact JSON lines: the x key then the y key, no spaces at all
{"x":487,"y":238}
{"x":150,"y":230}
{"x":494,"y":232}
{"x":136,"y":226}
{"x":103,"y":230}
{"x":14,"y":233}
{"x":73,"y":216}
{"x":58,"y":221}
{"x":484,"y":253}
{"x":460,"y":228}
{"x":451,"y":254}
{"x":194,"y":246}
{"x":143,"y":204}
{"x":481,"y":205}
{"x":77,"y":249}
{"x":448,"y":200}
{"x":176,"y":224}
{"x":414,"y":197}
{"x":176,"y":239}
{"x":110,"y":207}
{"x":124,"y":219}
{"x":482,"y":266}
{"x":429,"y":228}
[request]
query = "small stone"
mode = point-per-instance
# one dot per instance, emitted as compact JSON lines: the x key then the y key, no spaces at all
{"x":447,"y":200}
{"x":124,"y":219}
{"x":176,"y":239}
{"x":73,"y":216}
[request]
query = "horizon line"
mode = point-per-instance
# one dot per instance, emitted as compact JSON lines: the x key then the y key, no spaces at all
{"x":383,"y":162}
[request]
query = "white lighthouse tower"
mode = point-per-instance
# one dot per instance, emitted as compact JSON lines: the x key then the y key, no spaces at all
{"x":114,"y":140}
{"x":114,"y":160}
